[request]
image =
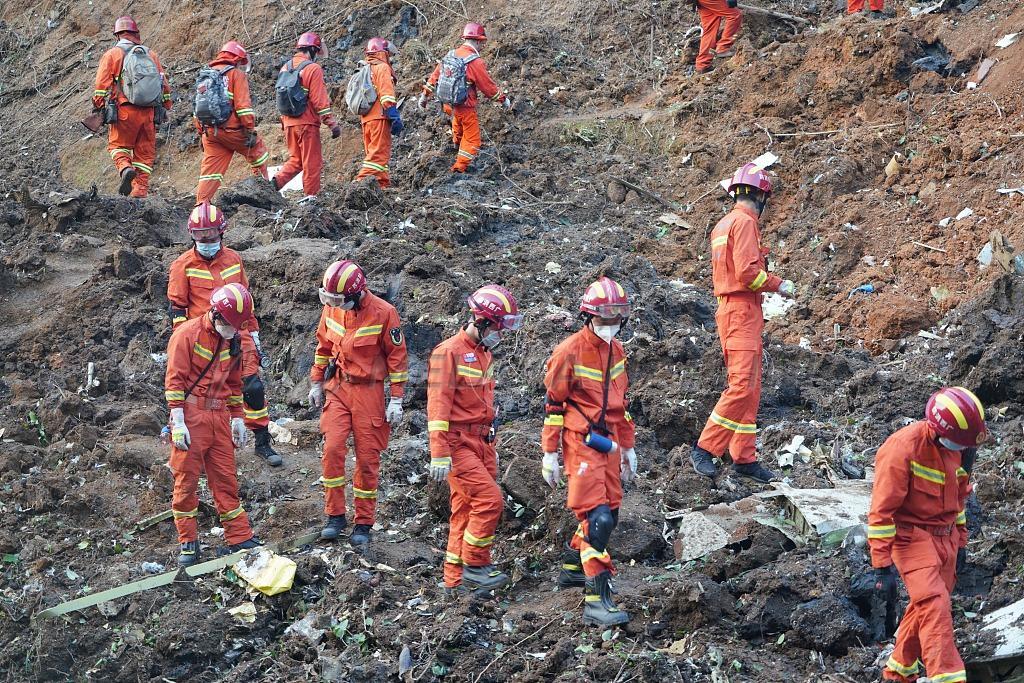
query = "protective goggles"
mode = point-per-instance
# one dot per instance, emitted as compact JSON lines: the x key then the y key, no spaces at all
{"x":611,"y":310}
{"x":205,"y":234}
{"x":335,"y":300}
{"x":510,"y":323}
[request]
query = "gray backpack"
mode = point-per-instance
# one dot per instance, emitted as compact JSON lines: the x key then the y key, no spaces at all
{"x":140,"y":80}
{"x":452,"y":86}
{"x":360,"y":93}
{"x":212,"y":106}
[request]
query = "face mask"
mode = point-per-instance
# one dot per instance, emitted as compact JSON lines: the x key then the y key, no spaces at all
{"x":946,"y":443}
{"x":491,"y":339}
{"x":224,"y":330}
{"x":207,"y":249}
{"x":606,"y":332}
{"x":347,"y":306}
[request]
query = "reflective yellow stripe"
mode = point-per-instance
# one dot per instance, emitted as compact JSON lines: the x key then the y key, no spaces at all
{"x":212,"y":176}
{"x":233,"y":270}
{"x":477,"y":542}
{"x":466,"y":155}
{"x":593,"y":554}
{"x":902,"y":670}
{"x":224,"y":355}
{"x":174,"y":395}
{"x":244,"y":112}
{"x":437,"y":426}
{"x":364,"y":493}
{"x":554,"y":421}
{"x":321,"y":361}
{"x":467,"y":371}
{"x":100,"y":92}
{"x":178,"y":319}
{"x":629,"y":418}
{"x":592,"y":598}
{"x":954,"y":677}
{"x":334,"y":326}
{"x":375,"y":167}
{"x":961,"y":517}
{"x":142,"y":167}
{"x":758,"y":282}
{"x":719,"y":241}
{"x":452,"y":558}
{"x":202,"y":351}
{"x":572,"y":567}
{"x":429,"y":87}
{"x":178,"y":514}
{"x":882,"y":531}
{"x":121,"y":150}
{"x":397,"y":377}
{"x":198,"y":273}
{"x":234,"y":400}
{"x":440,"y":462}
{"x":369,"y":330}
{"x":257,"y":414}
{"x":323,"y":112}
{"x":589,"y":373}
{"x":738,"y":427}
{"x":961,"y":472}
{"x":262,"y":160}
{"x":958,"y":414}
{"x":927,"y":473}
{"x":333,"y":483}
{"x":230,"y":515}
{"x":579,"y":531}
{"x":388,"y":98}
{"x":618,"y":368}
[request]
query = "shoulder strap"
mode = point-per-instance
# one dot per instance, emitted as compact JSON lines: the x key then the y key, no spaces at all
{"x":216,"y":352}
{"x":600,"y":424}
{"x":228,"y":68}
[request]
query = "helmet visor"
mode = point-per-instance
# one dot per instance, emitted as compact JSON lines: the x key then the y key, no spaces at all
{"x":611,"y":310}
{"x":205,"y":234}
{"x":511,"y":322}
{"x":332,"y":300}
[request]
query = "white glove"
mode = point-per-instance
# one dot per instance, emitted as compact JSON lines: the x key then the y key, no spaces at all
{"x":393,"y":413}
{"x":787,"y":289}
{"x":628,"y":465}
{"x":238,"y":432}
{"x":316,"y":395}
{"x":422,"y":101}
{"x":439,"y":468}
{"x":551,"y":470}
{"x":179,"y":432}
{"x":507,"y":102}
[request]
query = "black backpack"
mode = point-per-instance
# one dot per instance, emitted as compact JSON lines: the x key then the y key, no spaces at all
{"x":291,"y":98}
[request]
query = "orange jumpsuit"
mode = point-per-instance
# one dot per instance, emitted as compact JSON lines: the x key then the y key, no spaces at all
{"x":131,"y":140}
{"x":917,"y":522}
{"x":208,"y":410}
{"x":221,"y":143}
{"x":302,"y":133}
{"x":854,"y":6}
{"x":368,"y":347}
{"x":574,"y":377}
{"x":192,"y":281}
{"x":377,"y":126}
{"x":465,"y":123}
{"x":712,"y":15}
{"x":739,"y":275}
{"x":460,"y":413}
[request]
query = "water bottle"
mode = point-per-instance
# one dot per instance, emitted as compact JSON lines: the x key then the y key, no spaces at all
{"x":165,"y":435}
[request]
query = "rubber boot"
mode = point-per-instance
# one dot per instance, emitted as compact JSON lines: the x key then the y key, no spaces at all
{"x":571,"y":575}
{"x":360,"y":534}
{"x":127,"y":176}
{"x":486,"y":577}
{"x":265,"y":450}
{"x":189,"y":554}
{"x":756,"y":471}
{"x":246,"y":545}
{"x":335,"y":524}
{"x":703,"y":461}
{"x":598,"y":607}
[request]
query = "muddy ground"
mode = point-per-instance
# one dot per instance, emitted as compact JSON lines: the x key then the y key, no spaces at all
{"x":606,"y":103}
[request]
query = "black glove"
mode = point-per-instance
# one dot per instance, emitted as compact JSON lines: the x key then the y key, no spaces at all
{"x":885,"y":580}
{"x":159,"y":115}
{"x":335,"y":132}
{"x":961,"y":560}
{"x":251,"y":138}
{"x":731,"y":3}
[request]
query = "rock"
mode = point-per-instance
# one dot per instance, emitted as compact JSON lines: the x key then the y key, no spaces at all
{"x":138,"y":454}
{"x":616,"y":192}
{"x":696,"y":601}
{"x":522,"y":481}
{"x":830,"y":624}
{"x":143,"y":422}
{"x":364,"y":194}
{"x":253,"y":191}
{"x":332,"y":669}
{"x":126,"y":263}
{"x":306,"y":627}
{"x":638,"y":535}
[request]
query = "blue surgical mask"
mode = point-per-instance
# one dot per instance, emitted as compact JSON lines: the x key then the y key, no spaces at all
{"x":208,"y":249}
{"x":491,"y":339}
{"x":946,"y":443}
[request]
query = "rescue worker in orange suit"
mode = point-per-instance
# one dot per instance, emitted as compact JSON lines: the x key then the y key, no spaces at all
{"x":876,"y":7}
{"x":203,"y":388}
{"x":586,"y":415}
{"x":359,"y":345}
{"x":715,"y":15}
{"x":194,"y":276}
{"x":460,"y":427}
{"x":132,"y":137}
{"x":465,"y":123}
{"x":740,"y":276}
{"x":302,"y":133}
{"x":917,"y":526}
{"x":238,"y":134}
{"x":383,"y":119}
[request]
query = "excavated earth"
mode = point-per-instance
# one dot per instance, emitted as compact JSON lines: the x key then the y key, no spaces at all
{"x":608,"y":164}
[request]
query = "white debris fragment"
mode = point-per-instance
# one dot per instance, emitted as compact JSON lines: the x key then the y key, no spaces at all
{"x":775,"y":305}
{"x":553,"y":268}
{"x":1007,"y":40}
{"x":966,"y":213}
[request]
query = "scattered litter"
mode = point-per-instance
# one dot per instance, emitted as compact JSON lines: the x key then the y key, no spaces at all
{"x":936,"y":63}
{"x":674,"y":219}
{"x":293,"y":185}
{"x":983,"y":70}
{"x":940,"y":293}
{"x":787,"y":454}
{"x":966,"y":213}
{"x":930,"y":335}
{"x":245,"y":613}
{"x":705,"y":531}
{"x":930,"y":247}
{"x":1007,"y":40}
{"x":553,"y":268}
{"x":893,"y":168}
{"x":825,"y":511}
{"x":281,"y":433}
{"x":266,"y":571}
{"x":159,"y":358}
{"x":765,"y":160}
{"x":866,"y":289}
{"x":405,"y":662}
{"x":1010,"y":190}
{"x":775,"y":305}
{"x":153,"y":568}
{"x":1000,"y":251}
{"x":868,"y":259}
{"x":805,"y":343}
{"x":944,"y":222}
{"x":306,"y":628}
{"x":144,"y":524}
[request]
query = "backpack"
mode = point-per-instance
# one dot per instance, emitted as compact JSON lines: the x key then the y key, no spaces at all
{"x":212,"y":106}
{"x":291,"y":98}
{"x":452,"y":86}
{"x":360,"y":93}
{"x":140,"y":80}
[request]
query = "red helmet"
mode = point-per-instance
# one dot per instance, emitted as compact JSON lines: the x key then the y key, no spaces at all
{"x":233,"y":303}
{"x":125,"y":23}
{"x":749,"y":175}
{"x":379,"y":44}
{"x":206,"y":223}
{"x":342,"y":280}
{"x":496,"y":304}
{"x":310,"y":39}
{"x":956,"y":414}
{"x":606,"y":299}
{"x":474,"y":31}
{"x":233,"y":47}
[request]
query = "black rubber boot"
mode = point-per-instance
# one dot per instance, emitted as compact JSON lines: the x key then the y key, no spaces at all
{"x":756,"y":471}
{"x":486,"y":577}
{"x":246,"y":545}
{"x":127,"y":176}
{"x":265,"y":450}
{"x":703,"y":461}
{"x":598,"y":607}
{"x":360,"y":534}
{"x":571,"y":575}
{"x":335,"y":524}
{"x":189,"y":554}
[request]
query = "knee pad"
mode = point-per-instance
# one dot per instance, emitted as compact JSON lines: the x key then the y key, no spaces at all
{"x":600,"y":524}
{"x":252,"y":392}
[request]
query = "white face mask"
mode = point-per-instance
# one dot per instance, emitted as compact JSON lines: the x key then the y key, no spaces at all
{"x":491,"y":339}
{"x":946,"y":443}
{"x":606,"y":332}
{"x":224,"y":330}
